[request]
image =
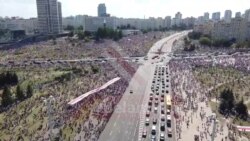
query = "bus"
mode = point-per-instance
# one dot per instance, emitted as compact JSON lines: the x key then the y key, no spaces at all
{"x":168,"y":102}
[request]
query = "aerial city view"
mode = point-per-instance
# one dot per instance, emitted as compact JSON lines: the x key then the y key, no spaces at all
{"x":124,"y":70}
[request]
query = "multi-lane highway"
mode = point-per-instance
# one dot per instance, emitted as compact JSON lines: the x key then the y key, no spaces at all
{"x":128,"y":120}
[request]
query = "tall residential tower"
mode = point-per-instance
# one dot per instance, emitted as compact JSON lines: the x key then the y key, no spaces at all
{"x":102,"y":10}
{"x":228,"y":16}
{"x":206,"y":16}
{"x":49,"y":16}
{"x":216,"y":16}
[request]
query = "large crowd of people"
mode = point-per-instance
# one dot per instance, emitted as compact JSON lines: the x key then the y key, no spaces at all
{"x":28,"y":120}
{"x":192,"y":99}
{"x":65,"y":48}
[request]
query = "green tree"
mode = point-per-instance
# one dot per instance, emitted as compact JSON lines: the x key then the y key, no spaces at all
{"x":223,"y":107}
{"x":109,"y":33}
{"x":71,"y":34}
{"x":94,"y":69}
{"x":227,"y":102}
{"x":87,"y":33}
{"x":194,"y":35}
{"x":70,"y":28}
{"x":241,"y":110}
{"x":205,"y":41}
{"x":19,"y":93}
{"x":80,"y":35}
{"x":29,"y":91}
{"x":80,"y":28}
{"x":120,"y":34}
{"x":218,"y":43}
{"x":248,"y":44}
{"x":6,"y":97}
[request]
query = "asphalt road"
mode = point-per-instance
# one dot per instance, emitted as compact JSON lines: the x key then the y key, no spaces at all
{"x":125,"y":122}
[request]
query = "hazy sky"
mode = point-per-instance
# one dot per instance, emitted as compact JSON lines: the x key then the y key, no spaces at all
{"x":127,"y":8}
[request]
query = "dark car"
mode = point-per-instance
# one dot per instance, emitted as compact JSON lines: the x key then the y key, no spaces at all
{"x":154,"y":121}
{"x":162,"y":126}
{"x":144,"y":133}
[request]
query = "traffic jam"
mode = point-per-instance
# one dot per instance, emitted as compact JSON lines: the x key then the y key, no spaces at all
{"x":158,"y":115}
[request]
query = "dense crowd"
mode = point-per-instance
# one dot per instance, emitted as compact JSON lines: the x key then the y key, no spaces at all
{"x":193,"y":98}
{"x":66,"y":48}
{"x":28,"y":120}
{"x":100,"y":115}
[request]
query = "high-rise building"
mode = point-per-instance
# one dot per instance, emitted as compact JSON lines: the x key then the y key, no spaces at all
{"x":228,"y":16}
{"x":167,"y":21}
{"x":49,"y":13}
{"x":200,"y":20}
{"x":216,"y":16}
{"x":236,"y":29}
{"x":206,"y":16}
{"x":60,"y":16}
{"x":247,"y":15}
{"x":237,"y":15}
{"x":178,"y":15}
{"x":102,"y":10}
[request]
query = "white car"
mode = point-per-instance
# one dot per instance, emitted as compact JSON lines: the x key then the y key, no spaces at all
{"x":155,"y":109}
{"x":162,"y":136}
{"x":153,"y":131}
{"x":147,"y":121}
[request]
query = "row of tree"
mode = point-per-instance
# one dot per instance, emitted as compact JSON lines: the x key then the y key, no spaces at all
{"x":108,"y":33}
{"x":244,"y":44}
{"x":207,"y":41}
{"x":194,"y":35}
{"x":20,"y":95}
{"x":8,"y":79}
{"x":228,"y":106}
{"x":188,"y":46}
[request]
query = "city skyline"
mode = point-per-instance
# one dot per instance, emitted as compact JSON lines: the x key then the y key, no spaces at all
{"x":137,"y":8}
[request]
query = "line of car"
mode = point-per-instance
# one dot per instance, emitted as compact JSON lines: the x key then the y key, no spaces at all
{"x":157,"y":114}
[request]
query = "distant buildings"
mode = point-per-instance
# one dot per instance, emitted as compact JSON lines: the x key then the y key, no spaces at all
{"x":206,"y":16}
{"x":189,"y":22}
{"x":49,"y":16}
{"x":228,"y":16}
{"x":237,"y":15}
{"x":28,"y":25}
{"x":247,"y":15}
{"x":200,"y":20}
{"x":216,"y":16}
{"x":178,"y":15}
{"x":205,"y":28}
{"x":60,"y":17}
{"x":237,"y":28}
{"x":167,"y":22}
{"x":177,"y":20}
{"x":93,"y":23}
{"x":101,"y":10}
{"x":50,"y":21}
